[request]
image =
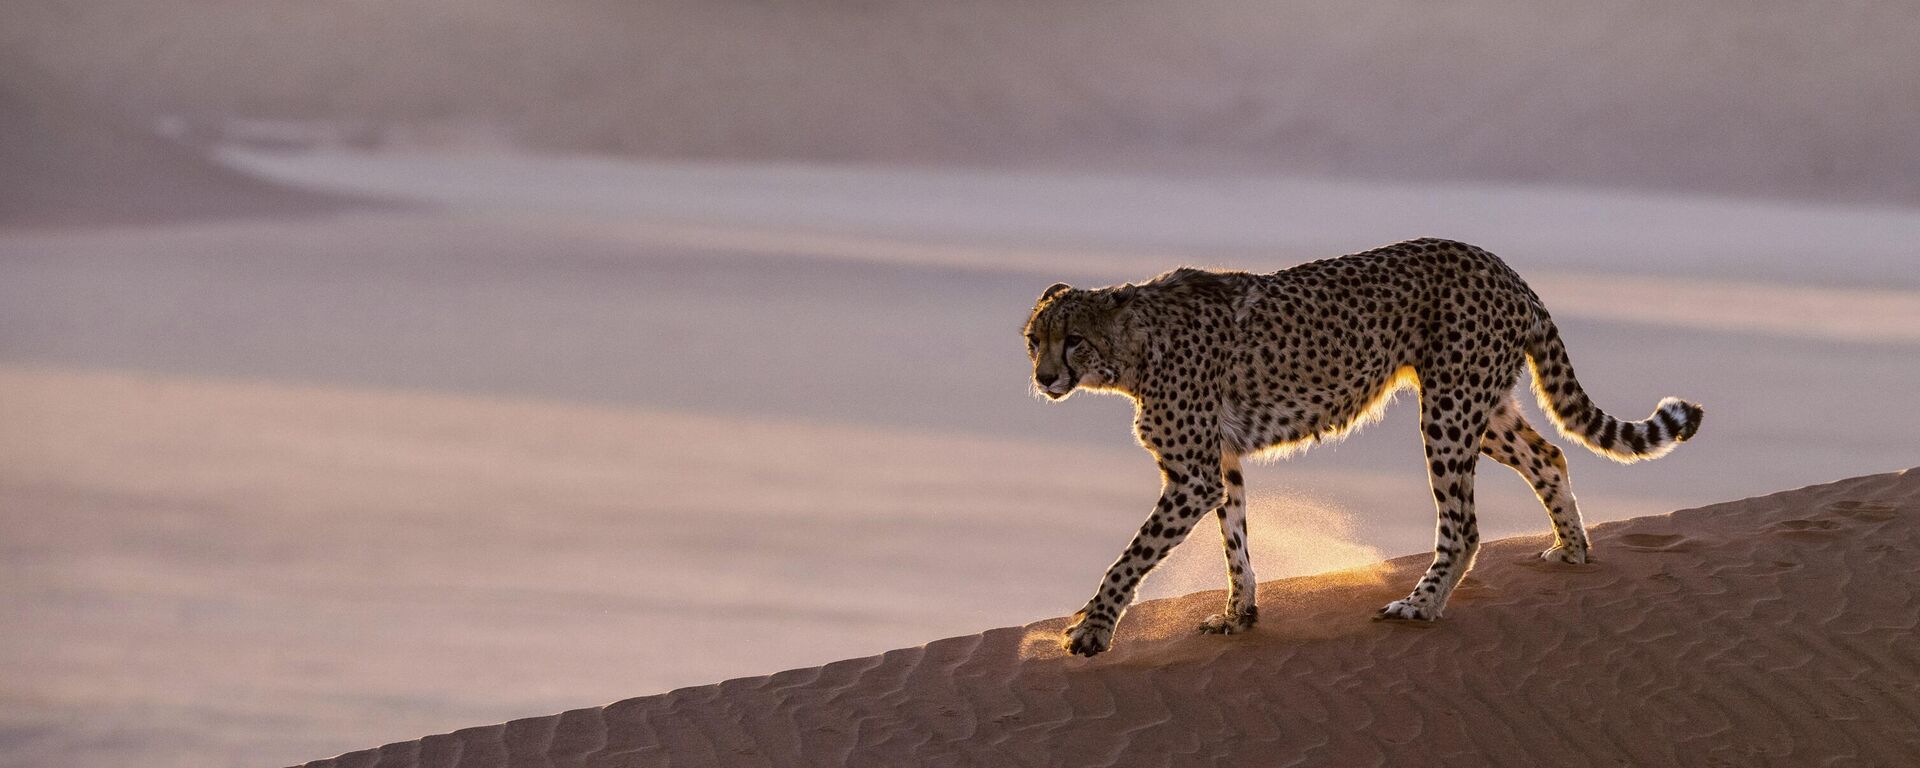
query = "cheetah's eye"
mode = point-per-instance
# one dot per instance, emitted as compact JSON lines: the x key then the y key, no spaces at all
{"x":1073,"y":341}
{"x":1033,"y":343}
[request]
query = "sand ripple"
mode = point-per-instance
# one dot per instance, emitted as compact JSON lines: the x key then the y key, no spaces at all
{"x":1772,"y":631}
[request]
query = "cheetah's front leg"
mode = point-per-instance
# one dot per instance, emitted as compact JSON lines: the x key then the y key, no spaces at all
{"x":1190,"y":486}
{"x":1241,"y":614}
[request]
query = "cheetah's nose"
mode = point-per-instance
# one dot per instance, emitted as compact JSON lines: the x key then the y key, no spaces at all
{"x":1046,"y":379}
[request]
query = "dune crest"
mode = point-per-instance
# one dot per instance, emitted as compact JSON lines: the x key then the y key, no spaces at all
{"x":1772,"y":630}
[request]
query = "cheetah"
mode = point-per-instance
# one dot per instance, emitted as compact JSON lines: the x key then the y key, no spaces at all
{"x":1225,"y":365}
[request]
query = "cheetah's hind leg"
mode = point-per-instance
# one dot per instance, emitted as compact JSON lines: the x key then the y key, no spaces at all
{"x":1510,"y":440}
{"x":1452,"y":421}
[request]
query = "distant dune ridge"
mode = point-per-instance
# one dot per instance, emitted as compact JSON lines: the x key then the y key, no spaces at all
{"x":1777,"y":630}
{"x":1772,"y":99}
{"x":63,"y":162}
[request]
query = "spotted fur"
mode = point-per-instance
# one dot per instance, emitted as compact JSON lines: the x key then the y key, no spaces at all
{"x":1224,"y":365}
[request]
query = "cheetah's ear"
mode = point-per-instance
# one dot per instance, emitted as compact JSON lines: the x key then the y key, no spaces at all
{"x":1053,"y":290}
{"x":1116,"y":298}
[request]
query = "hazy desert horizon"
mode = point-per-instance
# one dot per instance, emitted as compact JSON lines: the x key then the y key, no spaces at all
{"x":357,"y":386}
{"x":1778,"y":100}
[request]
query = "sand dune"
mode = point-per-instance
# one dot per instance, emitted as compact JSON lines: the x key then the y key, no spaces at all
{"x":65,"y":163}
{"x":1810,"y":100}
{"x":1777,"y":630}
{"x":1119,"y":224}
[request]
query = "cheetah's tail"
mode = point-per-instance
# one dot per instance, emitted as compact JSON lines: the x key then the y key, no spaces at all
{"x":1673,"y":420}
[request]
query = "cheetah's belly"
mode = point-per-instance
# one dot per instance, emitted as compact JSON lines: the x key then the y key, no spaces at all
{"x":1268,"y":425}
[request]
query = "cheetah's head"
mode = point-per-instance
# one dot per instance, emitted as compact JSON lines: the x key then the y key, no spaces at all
{"x":1073,"y":340}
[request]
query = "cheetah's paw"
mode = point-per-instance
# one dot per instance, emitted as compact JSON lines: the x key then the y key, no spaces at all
{"x":1565,"y":555}
{"x":1087,"y":637}
{"x":1406,"y":610}
{"x":1230,"y":623}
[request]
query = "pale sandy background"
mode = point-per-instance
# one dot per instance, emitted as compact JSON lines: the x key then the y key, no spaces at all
{"x":585,"y":351}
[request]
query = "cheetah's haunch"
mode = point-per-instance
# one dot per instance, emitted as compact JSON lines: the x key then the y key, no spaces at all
{"x":1222,"y":365}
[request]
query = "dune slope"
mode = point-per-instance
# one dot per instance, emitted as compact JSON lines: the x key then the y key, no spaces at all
{"x":1773,"y":630}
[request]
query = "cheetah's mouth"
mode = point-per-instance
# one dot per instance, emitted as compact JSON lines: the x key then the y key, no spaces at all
{"x":1062,"y":387}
